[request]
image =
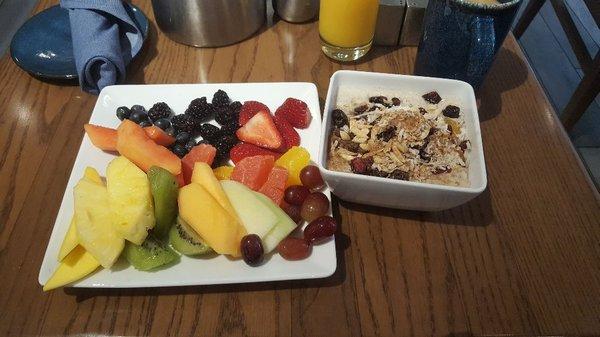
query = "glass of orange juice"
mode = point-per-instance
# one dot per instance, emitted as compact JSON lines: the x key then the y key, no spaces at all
{"x":347,"y":27}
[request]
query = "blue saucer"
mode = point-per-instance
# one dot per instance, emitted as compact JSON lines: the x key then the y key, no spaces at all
{"x":43,"y":46}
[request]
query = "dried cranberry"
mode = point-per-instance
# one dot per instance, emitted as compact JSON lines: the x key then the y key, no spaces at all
{"x":361,"y":165}
{"x":451,"y":111}
{"x":396,"y":101}
{"x":339,"y":118}
{"x":432,"y":97}
{"x":387,"y":134}
{"x":361,"y":109}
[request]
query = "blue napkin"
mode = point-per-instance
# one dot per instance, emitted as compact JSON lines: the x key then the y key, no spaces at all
{"x":105,"y":39}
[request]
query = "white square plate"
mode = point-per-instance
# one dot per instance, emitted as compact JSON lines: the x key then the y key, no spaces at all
{"x":190,"y":271}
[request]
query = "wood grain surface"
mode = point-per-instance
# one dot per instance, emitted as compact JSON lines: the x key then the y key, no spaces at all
{"x":522,"y":259}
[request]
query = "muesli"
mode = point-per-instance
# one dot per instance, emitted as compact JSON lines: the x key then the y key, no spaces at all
{"x":417,"y":138}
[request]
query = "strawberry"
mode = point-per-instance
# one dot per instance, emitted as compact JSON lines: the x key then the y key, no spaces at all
{"x":260,"y":130}
{"x":288,"y":133}
{"x":243,"y":150}
{"x":249,"y":109}
{"x":296,"y":112}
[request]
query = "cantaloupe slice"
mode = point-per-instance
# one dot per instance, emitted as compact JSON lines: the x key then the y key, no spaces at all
{"x":134,"y":143}
{"x":213,"y":223}
{"x":103,"y":138}
{"x":159,"y":136}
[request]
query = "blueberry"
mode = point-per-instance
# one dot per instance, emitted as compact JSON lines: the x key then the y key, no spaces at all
{"x":163,"y":123}
{"x":145,"y":123}
{"x":182,"y":137}
{"x":123,"y":112}
{"x":171,"y":131}
{"x":179,"y":150}
{"x":138,"y":117}
{"x":138,"y":108}
{"x":190,"y":144}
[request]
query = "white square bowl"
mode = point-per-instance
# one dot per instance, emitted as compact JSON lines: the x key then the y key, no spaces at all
{"x":400,"y":194}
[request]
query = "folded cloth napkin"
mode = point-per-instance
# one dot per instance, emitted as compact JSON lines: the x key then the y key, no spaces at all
{"x":105,"y":39}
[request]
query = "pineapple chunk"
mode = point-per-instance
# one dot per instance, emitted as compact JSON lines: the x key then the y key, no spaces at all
{"x":75,"y":266}
{"x":130,"y":200}
{"x":93,"y":222}
{"x":70,"y":241}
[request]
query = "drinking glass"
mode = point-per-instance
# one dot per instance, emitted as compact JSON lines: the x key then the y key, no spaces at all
{"x":347,"y":27}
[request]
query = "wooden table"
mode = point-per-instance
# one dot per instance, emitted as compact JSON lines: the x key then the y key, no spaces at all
{"x":523,"y":258}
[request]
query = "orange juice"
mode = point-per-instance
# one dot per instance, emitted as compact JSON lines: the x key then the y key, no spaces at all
{"x":348,"y":23}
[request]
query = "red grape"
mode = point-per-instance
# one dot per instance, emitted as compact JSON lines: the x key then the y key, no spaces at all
{"x":311,"y":177}
{"x":320,"y":228}
{"x":293,"y":211}
{"x":314,"y":206}
{"x":294,"y":248}
{"x":296,"y":194}
{"x":252,"y":249}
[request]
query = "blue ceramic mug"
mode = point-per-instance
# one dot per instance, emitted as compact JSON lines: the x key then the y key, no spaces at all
{"x":461,"y":37}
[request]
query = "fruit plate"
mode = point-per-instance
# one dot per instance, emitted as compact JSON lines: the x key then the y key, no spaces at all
{"x":190,"y":271}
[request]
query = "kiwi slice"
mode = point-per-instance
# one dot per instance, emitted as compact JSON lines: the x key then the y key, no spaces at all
{"x":164,"y":189}
{"x":185,"y":240}
{"x":150,"y":254}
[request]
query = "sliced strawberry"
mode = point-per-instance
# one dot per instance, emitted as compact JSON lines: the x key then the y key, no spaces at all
{"x":260,"y":130}
{"x":249,"y":109}
{"x":288,"y":133}
{"x":243,"y":150}
{"x":296,"y":112}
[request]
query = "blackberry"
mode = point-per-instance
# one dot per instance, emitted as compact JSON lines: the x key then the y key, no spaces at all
{"x":200,"y":109}
{"x":123,"y":112}
{"x":224,"y":115}
{"x":159,"y":110}
{"x":230,"y":129}
{"x":235,"y":107}
{"x":209,"y":131}
{"x":220,"y":99}
{"x":224,"y":145}
{"x":183,"y":123}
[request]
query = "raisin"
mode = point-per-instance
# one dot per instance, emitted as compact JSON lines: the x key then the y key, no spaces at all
{"x":361,"y":109}
{"x":339,"y":118}
{"x":396,"y":101}
{"x":373,"y":108}
{"x":361,"y":165}
{"x":423,"y":153}
{"x":451,"y":111}
{"x":422,"y":111}
{"x":387,"y":134}
{"x":377,"y":173}
{"x":399,"y":175}
{"x":432,"y":97}
{"x":349,"y":145}
{"x":378,"y":99}
{"x":464,"y":145}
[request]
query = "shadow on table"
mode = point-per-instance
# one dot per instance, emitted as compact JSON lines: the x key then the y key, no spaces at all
{"x":476,"y":213}
{"x":342,"y":243}
{"x":499,"y":80}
